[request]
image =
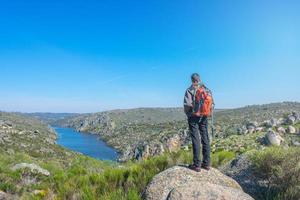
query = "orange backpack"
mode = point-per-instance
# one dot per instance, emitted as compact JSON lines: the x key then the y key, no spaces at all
{"x":203,"y":102}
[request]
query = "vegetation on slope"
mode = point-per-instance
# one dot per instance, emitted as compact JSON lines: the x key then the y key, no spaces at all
{"x":152,"y":131}
{"x":280,"y":167}
{"x":74,"y":176}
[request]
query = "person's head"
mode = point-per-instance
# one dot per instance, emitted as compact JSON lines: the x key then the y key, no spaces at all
{"x":195,"y":78}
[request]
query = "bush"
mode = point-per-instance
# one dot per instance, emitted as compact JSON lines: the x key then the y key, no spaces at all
{"x":221,"y":158}
{"x":281,"y":168}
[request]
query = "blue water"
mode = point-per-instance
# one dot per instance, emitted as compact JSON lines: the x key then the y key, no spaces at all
{"x":86,"y":144}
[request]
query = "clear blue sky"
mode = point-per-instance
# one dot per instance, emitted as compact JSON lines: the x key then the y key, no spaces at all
{"x":88,"y":55}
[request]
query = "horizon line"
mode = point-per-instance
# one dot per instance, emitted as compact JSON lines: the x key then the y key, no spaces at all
{"x":146,"y":107}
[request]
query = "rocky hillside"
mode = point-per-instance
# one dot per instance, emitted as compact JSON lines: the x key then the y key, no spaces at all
{"x":239,"y":120}
{"x":17,"y":133}
{"x":50,"y":118}
{"x":141,"y":133}
{"x":32,"y":166}
{"x":137,"y":132}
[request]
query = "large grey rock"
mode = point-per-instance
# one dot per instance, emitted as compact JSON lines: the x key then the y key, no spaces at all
{"x":270,"y":123}
{"x":291,"y":119}
{"x":273,"y":138}
{"x":274,"y":122}
{"x":174,"y":184}
{"x":253,"y":124}
{"x":251,"y":129}
{"x":202,"y":190}
{"x":281,"y":121}
{"x":242,"y":170}
{"x":5,"y":196}
{"x":32,"y":167}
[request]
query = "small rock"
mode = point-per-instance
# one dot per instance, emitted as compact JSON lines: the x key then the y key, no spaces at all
{"x":281,"y":130}
{"x":291,"y":130}
{"x":296,"y":143}
{"x":252,"y":125}
{"x":33,"y":168}
{"x":280,"y":121}
{"x":39,"y":192}
{"x":267,"y":124}
{"x":290,"y":120}
{"x":259,"y":129}
{"x":186,"y":147}
{"x":274,"y":122}
{"x":251,"y":129}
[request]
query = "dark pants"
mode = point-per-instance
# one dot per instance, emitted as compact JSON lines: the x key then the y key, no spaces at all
{"x":198,"y":129}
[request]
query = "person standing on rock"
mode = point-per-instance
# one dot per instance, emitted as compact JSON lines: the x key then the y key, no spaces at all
{"x":198,"y":103}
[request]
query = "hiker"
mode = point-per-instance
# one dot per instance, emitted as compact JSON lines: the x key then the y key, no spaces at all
{"x":198,"y":106}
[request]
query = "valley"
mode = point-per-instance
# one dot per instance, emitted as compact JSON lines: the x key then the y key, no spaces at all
{"x":150,"y":140}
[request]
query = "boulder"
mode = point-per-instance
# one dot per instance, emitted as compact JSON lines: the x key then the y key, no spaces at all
{"x":6,"y":196}
{"x":195,"y":190}
{"x":270,"y":123}
{"x":243,"y":130}
{"x":291,"y":130}
{"x":32,"y":167}
{"x":251,"y":129}
{"x":242,"y":170}
{"x":181,"y":183}
{"x":295,"y":143}
{"x":291,"y":119}
{"x":3,"y":195}
{"x":252,"y":125}
{"x":273,"y":138}
{"x":274,"y":122}
{"x":281,"y":121}
{"x":281,"y":130}
{"x":173,"y":144}
{"x":146,"y":152}
{"x":259,"y":129}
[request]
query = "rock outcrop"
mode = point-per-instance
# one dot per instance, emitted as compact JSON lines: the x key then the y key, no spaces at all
{"x":181,"y":183}
{"x":3,"y":195}
{"x":32,"y":167}
{"x":241,"y":169}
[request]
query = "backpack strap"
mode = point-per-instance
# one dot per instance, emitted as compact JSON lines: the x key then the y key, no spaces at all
{"x":212,"y":111}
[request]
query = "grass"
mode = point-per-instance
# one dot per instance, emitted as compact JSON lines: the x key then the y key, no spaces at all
{"x":87,"y":178}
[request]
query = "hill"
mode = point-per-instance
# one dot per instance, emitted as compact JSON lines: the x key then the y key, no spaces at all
{"x":144,"y":132}
{"x":50,"y":118}
{"x":32,"y":166}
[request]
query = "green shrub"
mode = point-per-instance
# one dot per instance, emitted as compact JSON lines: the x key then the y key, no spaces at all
{"x":281,"y":168}
{"x":8,"y":187}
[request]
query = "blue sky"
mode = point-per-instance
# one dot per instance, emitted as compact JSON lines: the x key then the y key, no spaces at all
{"x":88,"y":56}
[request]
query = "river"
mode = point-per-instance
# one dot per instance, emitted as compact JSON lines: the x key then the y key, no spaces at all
{"x":86,"y":144}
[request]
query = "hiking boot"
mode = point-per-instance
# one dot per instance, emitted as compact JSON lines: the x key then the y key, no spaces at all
{"x":206,"y":167}
{"x":194,"y":168}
